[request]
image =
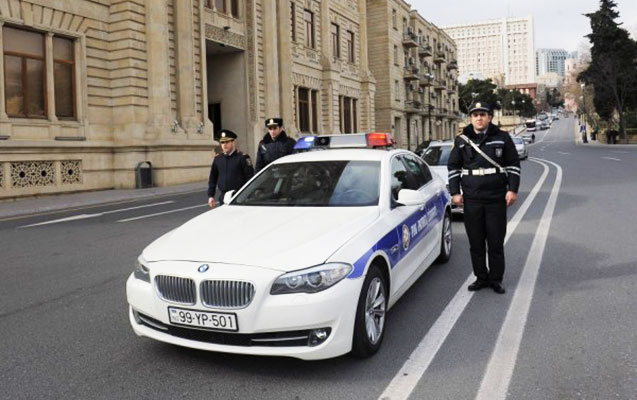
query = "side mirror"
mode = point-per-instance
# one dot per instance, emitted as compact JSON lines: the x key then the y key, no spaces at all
{"x":227,"y":197}
{"x":408,"y":197}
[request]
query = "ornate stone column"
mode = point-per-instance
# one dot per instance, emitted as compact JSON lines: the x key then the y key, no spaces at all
{"x":271,"y":51}
{"x":285,"y":68}
{"x":3,"y":106}
{"x":50,"y":80}
{"x":185,"y":66}
{"x":160,"y":116}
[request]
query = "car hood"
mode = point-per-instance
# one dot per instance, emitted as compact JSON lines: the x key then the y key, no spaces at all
{"x":441,"y":171}
{"x":281,"y":238}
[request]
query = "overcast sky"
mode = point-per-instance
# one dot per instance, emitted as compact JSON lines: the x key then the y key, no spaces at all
{"x":558,"y":23}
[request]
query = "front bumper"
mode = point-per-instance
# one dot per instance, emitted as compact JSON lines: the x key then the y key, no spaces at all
{"x":265,"y":320}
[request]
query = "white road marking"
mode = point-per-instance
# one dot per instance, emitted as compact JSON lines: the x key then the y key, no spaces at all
{"x":419,"y":360}
{"x":497,"y":377}
{"x":161,"y":213}
{"x":611,"y":158}
{"x":85,"y":216}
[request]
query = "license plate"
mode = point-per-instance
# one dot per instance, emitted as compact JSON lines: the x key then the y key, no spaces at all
{"x":203,"y":319}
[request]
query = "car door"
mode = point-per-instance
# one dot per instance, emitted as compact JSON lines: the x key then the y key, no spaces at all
{"x":428,"y":227}
{"x":405,"y":221}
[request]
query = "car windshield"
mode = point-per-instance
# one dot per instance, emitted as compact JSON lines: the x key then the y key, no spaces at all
{"x":518,"y":140}
{"x":437,"y":155}
{"x":314,"y":184}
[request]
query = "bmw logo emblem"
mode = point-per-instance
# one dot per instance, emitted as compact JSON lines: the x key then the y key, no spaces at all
{"x":203,"y":268}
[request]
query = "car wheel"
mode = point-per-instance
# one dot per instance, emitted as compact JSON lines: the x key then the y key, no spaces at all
{"x":369,"y":326}
{"x":446,"y":240}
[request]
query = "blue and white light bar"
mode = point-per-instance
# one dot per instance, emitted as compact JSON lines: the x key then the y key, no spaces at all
{"x":349,"y":141}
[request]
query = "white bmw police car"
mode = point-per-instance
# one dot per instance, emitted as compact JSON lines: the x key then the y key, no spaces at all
{"x":304,"y":260}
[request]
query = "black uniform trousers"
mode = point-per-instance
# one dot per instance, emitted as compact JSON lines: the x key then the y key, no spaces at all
{"x":486,"y":225}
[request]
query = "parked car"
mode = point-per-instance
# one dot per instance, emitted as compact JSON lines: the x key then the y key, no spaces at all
{"x":520,"y":146}
{"x":436,"y":156}
{"x":304,"y":260}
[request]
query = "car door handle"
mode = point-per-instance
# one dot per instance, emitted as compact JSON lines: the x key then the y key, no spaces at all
{"x":394,"y":249}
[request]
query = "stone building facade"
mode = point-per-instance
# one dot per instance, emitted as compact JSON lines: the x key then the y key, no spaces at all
{"x":415,"y":68}
{"x":93,"y":89}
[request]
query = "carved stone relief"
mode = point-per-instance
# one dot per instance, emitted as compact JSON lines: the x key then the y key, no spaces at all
{"x":223,"y":36}
{"x":32,"y":173}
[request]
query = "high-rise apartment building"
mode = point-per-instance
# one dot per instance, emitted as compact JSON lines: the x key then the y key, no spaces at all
{"x":502,"y":50}
{"x":415,"y":68}
{"x":550,"y":60}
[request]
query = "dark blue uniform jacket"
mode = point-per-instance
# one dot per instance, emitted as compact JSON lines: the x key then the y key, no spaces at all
{"x":498,"y":145}
{"x":269,"y":150}
{"x":229,"y":172}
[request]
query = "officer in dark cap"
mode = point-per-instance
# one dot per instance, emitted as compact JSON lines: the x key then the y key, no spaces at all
{"x":230,"y":169}
{"x":275,"y":144}
{"x":484,"y":163}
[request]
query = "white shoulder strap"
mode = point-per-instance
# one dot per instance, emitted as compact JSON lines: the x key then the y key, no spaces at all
{"x":486,"y":157}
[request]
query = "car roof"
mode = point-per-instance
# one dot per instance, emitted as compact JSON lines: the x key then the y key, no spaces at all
{"x":438,"y":143}
{"x":341,"y":154}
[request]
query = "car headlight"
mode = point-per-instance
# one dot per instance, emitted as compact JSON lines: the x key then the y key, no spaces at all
{"x":311,"y":280}
{"x":141,"y":271}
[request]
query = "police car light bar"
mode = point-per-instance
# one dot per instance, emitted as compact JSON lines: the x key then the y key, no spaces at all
{"x":349,"y":141}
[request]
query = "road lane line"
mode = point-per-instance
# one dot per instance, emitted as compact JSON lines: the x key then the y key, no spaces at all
{"x":85,"y":216}
{"x":611,"y":158}
{"x":161,"y":213}
{"x":419,"y":360}
{"x":499,"y":371}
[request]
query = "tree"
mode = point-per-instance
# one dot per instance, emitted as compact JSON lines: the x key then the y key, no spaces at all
{"x":613,"y":68}
{"x":477,"y":90}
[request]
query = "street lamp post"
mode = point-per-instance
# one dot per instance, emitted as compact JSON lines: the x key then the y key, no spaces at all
{"x":515,"y":118}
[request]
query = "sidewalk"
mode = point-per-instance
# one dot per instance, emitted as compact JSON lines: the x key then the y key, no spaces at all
{"x":56,"y":202}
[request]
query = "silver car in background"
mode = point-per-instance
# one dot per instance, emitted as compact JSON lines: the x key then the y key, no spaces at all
{"x":520,"y":146}
{"x":436,"y":156}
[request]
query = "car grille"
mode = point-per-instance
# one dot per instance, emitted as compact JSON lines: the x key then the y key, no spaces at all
{"x":226,"y":294}
{"x":175,"y":289}
{"x":270,"y":339}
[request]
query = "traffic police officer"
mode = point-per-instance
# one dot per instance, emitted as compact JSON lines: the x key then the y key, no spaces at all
{"x":275,"y":144}
{"x":487,"y":190}
{"x":230,"y":169}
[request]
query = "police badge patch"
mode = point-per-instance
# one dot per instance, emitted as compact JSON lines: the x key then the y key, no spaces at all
{"x":498,"y":152}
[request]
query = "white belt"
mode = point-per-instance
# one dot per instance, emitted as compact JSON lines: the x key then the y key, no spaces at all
{"x":480,"y":171}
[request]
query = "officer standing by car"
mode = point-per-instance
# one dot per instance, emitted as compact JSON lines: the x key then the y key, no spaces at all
{"x":488,"y":188}
{"x":275,"y":144}
{"x":230,"y":169}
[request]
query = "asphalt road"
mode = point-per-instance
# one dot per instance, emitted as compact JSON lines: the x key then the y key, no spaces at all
{"x":571,"y":280}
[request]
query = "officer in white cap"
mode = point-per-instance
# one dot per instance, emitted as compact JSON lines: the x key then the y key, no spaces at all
{"x":484,"y":176}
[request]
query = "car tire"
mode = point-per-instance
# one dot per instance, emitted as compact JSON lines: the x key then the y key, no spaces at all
{"x":445,"y":240}
{"x":369,"y":325}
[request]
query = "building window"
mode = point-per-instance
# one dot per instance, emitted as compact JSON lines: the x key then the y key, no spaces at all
{"x":293,"y":20}
{"x":309,"y":29}
{"x":396,"y":90}
{"x":24,"y":72}
{"x":64,"y":77}
{"x":393,"y":19}
{"x":395,"y":55}
{"x":349,"y":114}
{"x":307,"y":105}
{"x":335,"y":36}
{"x":351,"y":57}
{"x":234,"y":8}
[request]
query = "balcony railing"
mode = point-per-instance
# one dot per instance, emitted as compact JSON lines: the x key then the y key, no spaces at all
{"x":410,"y":39}
{"x":453,"y":64}
{"x":411,"y":73}
{"x":439,"y":57}
{"x":425,"y":50}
